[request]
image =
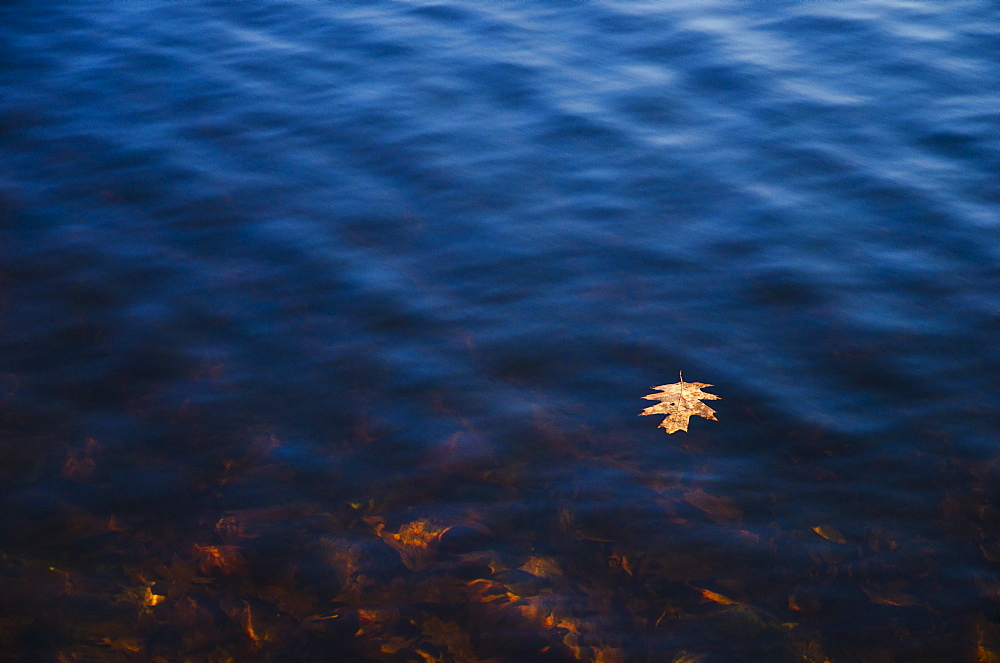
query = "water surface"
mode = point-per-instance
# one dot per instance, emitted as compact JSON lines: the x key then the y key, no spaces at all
{"x":324,"y":327}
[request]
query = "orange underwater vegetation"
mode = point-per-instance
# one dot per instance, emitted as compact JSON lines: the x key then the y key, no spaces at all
{"x":682,"y":571}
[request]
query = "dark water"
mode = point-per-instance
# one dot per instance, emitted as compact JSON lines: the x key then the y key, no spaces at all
{"x":324,"y":327}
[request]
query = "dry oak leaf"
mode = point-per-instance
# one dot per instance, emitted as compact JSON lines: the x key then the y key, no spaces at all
{"x":680,"y":401}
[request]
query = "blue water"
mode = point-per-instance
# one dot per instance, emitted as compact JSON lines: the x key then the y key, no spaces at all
{"x":379,"y":263}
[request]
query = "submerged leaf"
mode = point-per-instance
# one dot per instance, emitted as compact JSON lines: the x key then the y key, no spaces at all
{"x":715,"y":596}
{"x":608,"y":655}
{"x":416,"y":542}
{"x":125,"y":645}
{"x":987,"y":640}
{"x":830,"y":533}
{"x":722,"y":510}
{"x":226,"y":559}
{"x":142,"y":597}
{"x":452,"y":637}
{"x":680,"y":401}
{"x":891,"y":594}
{"x":685,"y":657}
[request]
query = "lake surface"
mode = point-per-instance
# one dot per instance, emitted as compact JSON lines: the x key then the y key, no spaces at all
{"x":324,"y":329}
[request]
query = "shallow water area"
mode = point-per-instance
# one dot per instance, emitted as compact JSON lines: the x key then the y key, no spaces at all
{"x":324,"y":329}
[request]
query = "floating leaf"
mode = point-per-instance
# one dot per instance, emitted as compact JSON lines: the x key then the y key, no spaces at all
{"x":680,"y":401}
